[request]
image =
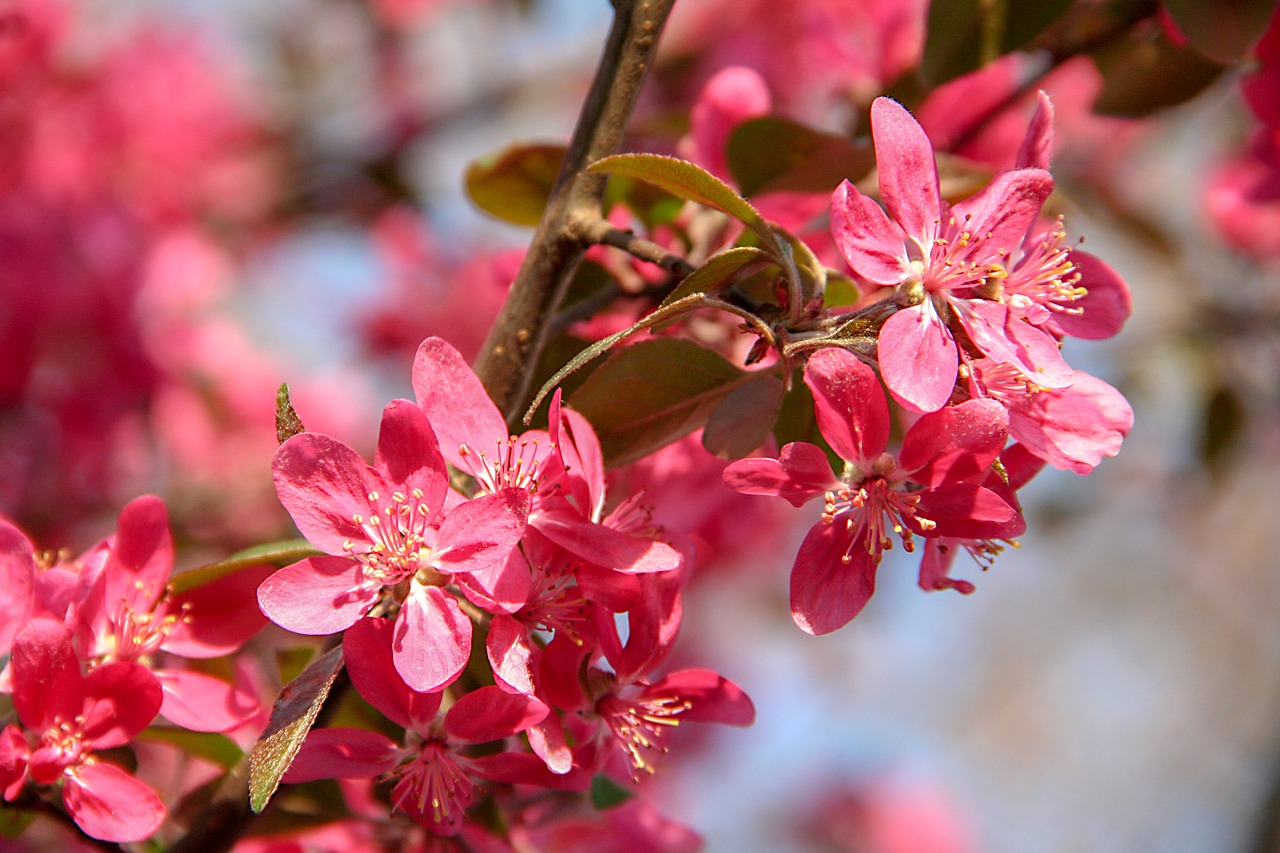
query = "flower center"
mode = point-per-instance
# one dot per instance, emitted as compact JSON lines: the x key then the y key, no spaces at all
{"x":869,"y":510}
{"x":637,"y":725}
{"x":400,"y":536}
{"x":514,"y":464}
{"x":433,"y":785}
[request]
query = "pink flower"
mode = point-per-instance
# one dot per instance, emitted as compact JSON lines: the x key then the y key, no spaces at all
{"x":391,"y":538}
{"x":941,"y":260}
{"x":928,"y":490}
{"x":73,"y":717}
{"x":435,"y":778}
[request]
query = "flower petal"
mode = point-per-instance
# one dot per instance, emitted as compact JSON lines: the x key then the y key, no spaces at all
{"x":120,"y":700}
{"x":852,"y":413}
{"x":799,"y":474}
{"x":490,"y":713}
{"x":366,"y":647}
{"x":712,"y":697}
{"x":218,"y":617}
{"x":408,"y":454}
{"x":872,"y":244}
{"x":1001,"y":213}
{"x":918,"y":358}
{"x":966,"y":511}
{"x":325,"y":485}
{"x":480,"y":532}
{"x":1003,"y":337}
{"x":17,"y":579}
{"x":510,"y":652}
{"x":317,"y":596}
{"x":954,"y":443}
{"x":110,"y":805}
{"x":826,"y":591}
{"x":1073,"y":428}
{"x":1106,"y":306}
{"x":908,"y":171}
{"x":455,"y":402}
{"x":202,"y":703}
{"x":432,"y":639}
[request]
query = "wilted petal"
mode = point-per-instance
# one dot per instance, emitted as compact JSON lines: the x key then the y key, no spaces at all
{"x":826,"y":591}
{"x":918,"y":358}
{"x":317,"y":596}
{"x":110,"y":805}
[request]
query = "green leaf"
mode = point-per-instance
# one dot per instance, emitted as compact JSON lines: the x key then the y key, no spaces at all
{"x":514,"y":184}
{"x":288,"y":424}
{"x":1223,"y":30}
{"x":273,"y":553}
{"x":291,"y":718}
{"x":217,"y":748}
{"x":692,"y":183}
{"x":721,"y":270}
{"x":606,"y":793}
{"x":773,"y":154}
{"x":741,"y":422}
{"x":840,"y":291}
{"x":652,"y":393}
{"x":1146,"y":72}
{"x":964,"y":35}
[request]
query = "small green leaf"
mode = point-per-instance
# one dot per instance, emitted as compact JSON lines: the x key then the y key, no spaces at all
{"x":288,"y":424}
{"x":514,"y":184}
{"x":217,"y":748}
{"x":721,"y":270}
{"x":1223,"y":30}
{"x":772,"y":154}
{"x":652,"y":393}
{"x":692,"y":183}
{"x":606,"y":793}
{"x":741,"y":422}
{"x":1146,"y":72}
{"x":291,"y":718}
{"x":840,"y":291}
{"x":273,"y":553}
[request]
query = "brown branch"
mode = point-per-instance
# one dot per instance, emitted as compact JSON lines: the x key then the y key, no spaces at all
{"x":605,"y":233}
{"x":510,"y":353}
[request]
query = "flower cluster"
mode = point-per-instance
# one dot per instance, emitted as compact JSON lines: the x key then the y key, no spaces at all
{"x":96,"y":647}
{"x":982,"y":295}
{"x":513,"y":551}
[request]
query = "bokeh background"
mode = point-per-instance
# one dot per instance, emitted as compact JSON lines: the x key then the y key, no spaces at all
{"x":204,"y":198}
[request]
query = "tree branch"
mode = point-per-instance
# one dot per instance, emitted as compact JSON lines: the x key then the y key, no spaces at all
{"x":510,"y":353}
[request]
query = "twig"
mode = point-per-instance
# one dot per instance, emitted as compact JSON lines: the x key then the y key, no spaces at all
{"x":603,"y":232}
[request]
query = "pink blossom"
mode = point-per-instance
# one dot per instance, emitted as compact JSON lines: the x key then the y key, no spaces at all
{"x":435,"y":778}
{"x":72,"y":717}
{"x":391,"y":539}
{"x":929,"y":489}
{"x":940,"y":261}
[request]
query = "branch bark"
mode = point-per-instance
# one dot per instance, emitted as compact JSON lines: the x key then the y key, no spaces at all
{"x":510,"y":353}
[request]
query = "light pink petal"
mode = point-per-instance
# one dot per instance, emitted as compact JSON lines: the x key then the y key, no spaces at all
{"x":918,"y":358}
{"x":343,"y":754}
{"x":966,"y":511}
{"x":1104,"y":309}
{"x":408,"y":454}
{"x":481,"y":532}
{"x":954,"y":443}
{"x":503,"y":587}
{"x":908,"y":171}
{"x":490,"y":713}
{"x":120,"y":700}
{"x":457,"y":405}
{"x":547,"y":741}
{"x":366,"y":648}
{"x":317,"y":596}
{"x":1037,"y":148}
{"x":827,"y":592}
{"x":432,"y":639}
{"x":1003,"y":337}
{"x":874,"y":247}
{"x":110,"y":805}
{"x":852,"y":413}
{"x":799,"y":474}
{"x":17,"y":579}
{"x":218,"y":617}
{"x":325,"y":485}
{"x":712,"y":697}
{"x":510,"y":655}
{"x":1001,"y":214}
{"x":201,"y":702}
{"x":1072,"y":429}
{"x":605,"y":547}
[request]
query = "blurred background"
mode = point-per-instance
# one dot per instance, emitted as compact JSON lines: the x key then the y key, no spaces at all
{"x":201,"y":199}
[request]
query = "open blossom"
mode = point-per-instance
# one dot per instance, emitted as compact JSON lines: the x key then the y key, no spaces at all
{"x":929,"y":489}
{"x":71,"y":717}
{"x":391,"y":540}
{"x":435,"y":778}
{"x":943,"y":263}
